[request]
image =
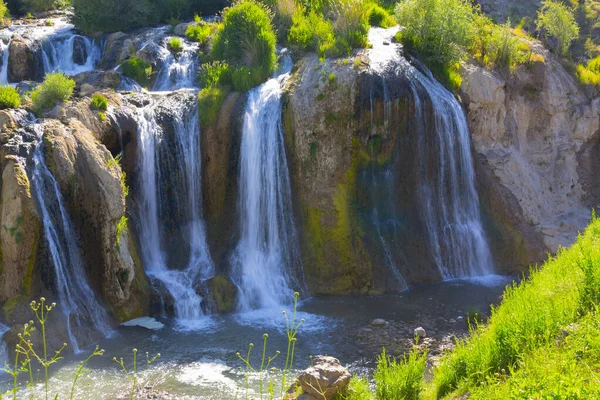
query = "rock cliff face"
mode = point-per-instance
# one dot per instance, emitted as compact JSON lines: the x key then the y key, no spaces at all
{"x":535,"y":136}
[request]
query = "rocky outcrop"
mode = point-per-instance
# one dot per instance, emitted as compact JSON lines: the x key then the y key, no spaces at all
{"x":89,"y":82}
{"x":220,"y":147}
{"x":319,"y":125}
{"x":90,"y":181}
{"x":325,"y":379}
{"x":533,"y":134}
{"x":20,"y":232}
{"x":24,"y":61}
{"x":119,"y":47}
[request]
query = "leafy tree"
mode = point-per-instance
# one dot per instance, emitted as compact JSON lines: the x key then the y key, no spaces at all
{"x":558,"y":21}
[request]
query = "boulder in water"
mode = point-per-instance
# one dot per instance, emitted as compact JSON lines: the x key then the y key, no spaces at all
{"x":180,"y":29}
{"x":379,"y":322}
{"x":21,"y":61}
{"x":80,"y":54}
{"x":324,"y":379}
{"x":223,"y":294}
{"x":420,"y":332}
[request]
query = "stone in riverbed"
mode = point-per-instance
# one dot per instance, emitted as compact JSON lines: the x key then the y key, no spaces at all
{"x":420,"y":332}
{"x":325,"y":378}
{"x":379,"y":322}
{"x":145,"y":322}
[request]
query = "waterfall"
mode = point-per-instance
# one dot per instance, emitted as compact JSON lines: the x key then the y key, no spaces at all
{"x":4,"y":61}
{"x":448,"y":201}
{"x":76,"y":299}
{"x":267,"y":249}
{"x":447,"y":188}
{"x":70,"y":53}
{"x":3,"y":348}
{"x":178,"y":71}
{"x":181,"y":284}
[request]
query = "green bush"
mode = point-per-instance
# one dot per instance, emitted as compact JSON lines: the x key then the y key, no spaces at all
{"x":589,"y":74}
{"x":99,"y":102}
{"x":3,"y":10}
{"x":9,"y":97}
{"x":439,"y":30}
{"x":400,"y":380}
{"x":35,"y":6}
{"x":531,"y":318}
{"x":139,"y":70}
{"x":496,"y":46}
{"x":114,"y":15}
{"x":351,"y":26}
{"x":199,"y":32}
{"x":214,"y":74}
{"x":56,"y":88}
{"x":558,"y":21}
{"x":175,"y":45}
{"x":210,"y":101}
{"x":312,"y":32}
{"x":246,"y":41}
{"x":378,"y":16}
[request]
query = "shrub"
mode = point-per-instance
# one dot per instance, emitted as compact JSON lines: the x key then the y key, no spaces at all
{"x":312,"y":32}
{"x":9,"y":97}
{"x":99,"y":102}
{"x":495,"y":46}
{"x":199,"y":32}
{"x":589,"y":74}
{"x":114,"y":15}
{"x":247,"y":42}
{"x":3,"y":11}
{"x":400,"y":380}
{"x":378,"y":16}
{"x":558,"y":21}
{"x":214,"y":74}
{"x":439,"y":30}
{"x":56,"y":88}
{"x":210,"y":101}
{"x":175,"y":45}
{"x":35,"y":6}
{"x":351,"y":26}
{"x":139,"y":70}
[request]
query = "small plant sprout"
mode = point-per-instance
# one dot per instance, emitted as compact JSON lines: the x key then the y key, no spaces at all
{"x":132,"y":375}
{"x":292,"y":327}
{"x":82,"y":370}
{"x":265,"y":365}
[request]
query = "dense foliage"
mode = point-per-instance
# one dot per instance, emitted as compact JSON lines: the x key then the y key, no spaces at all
{"x":116,"y":15}
{"x":99,"y":102}
{"x":247,"y":42}
{"x":558,"y":21}
{"x":56,"y":88}
{"x":199,"y":32}
{"x":139,"y":70}
{"x":9,"y":97}
{"x":4,"y":13}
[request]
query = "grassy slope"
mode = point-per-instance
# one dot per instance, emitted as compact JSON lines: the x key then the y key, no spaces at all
{"x":542,"y":341}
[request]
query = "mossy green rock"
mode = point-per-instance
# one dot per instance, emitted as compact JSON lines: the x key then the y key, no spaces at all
{"x":223,"y":293}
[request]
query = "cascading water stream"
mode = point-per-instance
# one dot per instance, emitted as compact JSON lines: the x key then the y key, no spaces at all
{"x":76,"y":299}
{"x":447,"y":189}
{"x":267,"y":249}
{"x":3,"y":347}
{"x":4,"y":61}
{"x":70,"y":53}
{"x":445,"y":176}
{"x":181,"y":284}
{"x":178,"y":71}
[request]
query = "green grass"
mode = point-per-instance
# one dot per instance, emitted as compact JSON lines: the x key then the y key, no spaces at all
{"x":214,"y":74}
{"x":56,"y":88}
{"x":378,"y":16}
{"x":99,"y":102}
{"x":400,"y":380}
{"x":175,"y":45}
{"x":210,"y":100}
{"x":523,"y":332}
{"x":9,"y":97}
{"x":139,"y":70}
{"x":589,"y":74}
{"x":199,"y":32}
